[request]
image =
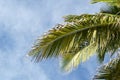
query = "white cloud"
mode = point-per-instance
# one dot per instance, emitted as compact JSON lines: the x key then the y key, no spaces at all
{"x":23,"y":21}
{"x":22,"y":24}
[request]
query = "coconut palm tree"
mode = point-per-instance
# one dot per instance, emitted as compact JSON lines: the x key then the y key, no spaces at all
{"x":81,"y":36}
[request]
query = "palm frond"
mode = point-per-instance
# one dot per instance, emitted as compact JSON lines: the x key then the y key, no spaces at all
{"x":70,"y":61}
{"x":78,"y":36}
{"x":109,"y":71}
{"x":111,"y":10}
{"x":111,"y":2}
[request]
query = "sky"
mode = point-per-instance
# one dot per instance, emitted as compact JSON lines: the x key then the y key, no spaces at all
{"x":21,"y":23}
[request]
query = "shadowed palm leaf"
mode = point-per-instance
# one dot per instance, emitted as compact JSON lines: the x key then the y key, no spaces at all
{"x":111,"y":2}
{"x":109,"y":71}
{"x":111,"y":10}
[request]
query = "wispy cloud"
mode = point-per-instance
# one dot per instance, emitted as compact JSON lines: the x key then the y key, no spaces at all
{"x":18,"y":26}
{"x":21,"y":22}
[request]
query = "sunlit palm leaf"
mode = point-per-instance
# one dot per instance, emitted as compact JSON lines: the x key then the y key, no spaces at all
{"x":70,"y":61}
{"x":109,"y":71}
{"x":78,"y":36}
{"x":106,"y":36}
{"x":111,"y":2}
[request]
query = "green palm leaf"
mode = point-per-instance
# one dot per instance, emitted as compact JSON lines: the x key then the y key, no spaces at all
{"x":109,"y":71}
{"x":111,"y":2}
{"x":81,"y":37}
{"x":70,"y":61}
{"x":111,"y":10}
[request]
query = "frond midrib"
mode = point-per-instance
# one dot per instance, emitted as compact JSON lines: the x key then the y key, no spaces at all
{"x":79,"y":30}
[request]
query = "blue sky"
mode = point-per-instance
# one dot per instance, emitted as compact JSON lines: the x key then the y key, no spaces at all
{"x":21,"y":23}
